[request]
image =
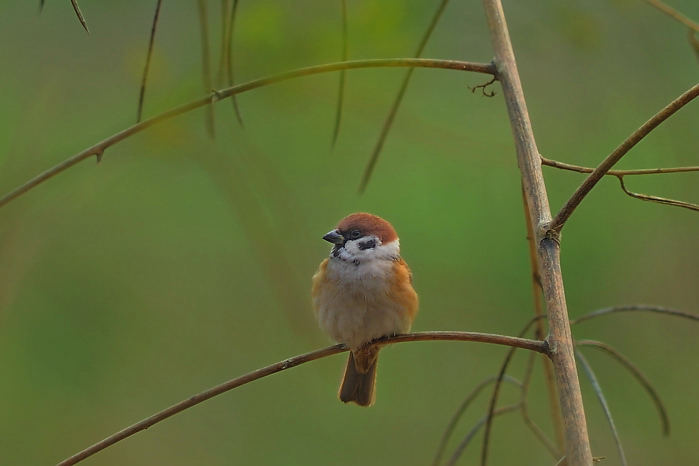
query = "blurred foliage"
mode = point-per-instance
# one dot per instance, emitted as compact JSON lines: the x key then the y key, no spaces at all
{"x":181,"y":262}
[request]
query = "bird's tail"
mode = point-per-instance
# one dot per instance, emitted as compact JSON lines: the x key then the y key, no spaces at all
{"x":359,"y":383}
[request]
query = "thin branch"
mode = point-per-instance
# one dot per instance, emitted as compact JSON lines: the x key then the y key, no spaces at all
{"x":674,"y":14}
{"x":149,"y":55}
{"x":79,"y":14}
{"x":594,"y":177}
{"x":532,"y":345}
{"x":224,"y":16}
{"x":229,"y":60}
{"x":528,"y":421}
{"x":206,"y":62}
{"x":641,"y":171}
{"x":369,"y":169}
{"x":462,"y":409}
{"x":602,"y":400}
{"x":496,"y":391}
{"x":657,"y":199}
{"x":99,"y":148}
{"x":341,"y":87}
{"x":640,"y":377}
{"x":474,"y":430}
{"x":636,"y":307}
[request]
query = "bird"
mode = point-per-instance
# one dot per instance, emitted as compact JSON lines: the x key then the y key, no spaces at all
{"x":362,"y":292}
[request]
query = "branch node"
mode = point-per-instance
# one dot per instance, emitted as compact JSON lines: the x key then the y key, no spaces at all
{"x":216,"y":96}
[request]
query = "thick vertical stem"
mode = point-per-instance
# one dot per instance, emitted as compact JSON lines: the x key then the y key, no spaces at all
{"x":537,"y":293}
{"x":562,"y":355}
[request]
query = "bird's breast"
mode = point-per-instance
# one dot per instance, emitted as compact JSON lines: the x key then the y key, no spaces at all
{"x":355,"y":304}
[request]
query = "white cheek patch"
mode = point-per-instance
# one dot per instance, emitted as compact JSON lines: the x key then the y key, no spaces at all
{"x":361,"y":251}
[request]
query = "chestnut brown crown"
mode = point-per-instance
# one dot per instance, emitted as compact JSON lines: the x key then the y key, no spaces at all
{"x":367,"y":224}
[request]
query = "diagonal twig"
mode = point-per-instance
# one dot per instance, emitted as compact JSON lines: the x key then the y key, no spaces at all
{"x":474,"y":430}
{"x":533,"y":345}
{"x":341,"y":87}
{"x":149,"y":55}
{"x":99,"y":148}
{"x":640,"y":377}
{"x":594,"y":177}
{"x":79,"y":14}
{"x":229,"y":60}
{"x":528,"y":421}
{"x":462,"y":409}
{"x":206,"y":62}
{"x":603,"y":401}
{"x":496,"y":391}
{"x":224,"y":16}
{"x":656,"y":199}
{"x":674,"y":14}
{"x":369,"y":169}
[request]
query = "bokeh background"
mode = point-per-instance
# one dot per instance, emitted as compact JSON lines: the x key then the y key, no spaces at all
{"x":180,"y":262}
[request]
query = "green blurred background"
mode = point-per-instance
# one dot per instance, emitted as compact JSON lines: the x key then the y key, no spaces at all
{"x":181,"y":262}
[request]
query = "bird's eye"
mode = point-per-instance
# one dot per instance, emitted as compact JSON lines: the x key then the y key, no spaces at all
{"x":355,"y":234}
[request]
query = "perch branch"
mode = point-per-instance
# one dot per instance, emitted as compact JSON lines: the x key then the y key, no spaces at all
{"x":594,"y":177}
{"x":98,"y":149}
{"x":532,"y":345}
{"x":562,"y":352}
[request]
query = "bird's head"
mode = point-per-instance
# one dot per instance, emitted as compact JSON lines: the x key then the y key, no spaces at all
{"x":363,"y":237}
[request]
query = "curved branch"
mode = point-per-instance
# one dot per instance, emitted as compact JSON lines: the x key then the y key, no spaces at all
{"x":533,"y":345}
{"x":98,"y":149}
{"x":604,"y":167}
{"x":638,"y":375}
{"x":657,"y":199}
{"x":636,"y":307}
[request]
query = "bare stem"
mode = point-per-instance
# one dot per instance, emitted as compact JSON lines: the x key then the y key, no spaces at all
{"x":640,"y":171}
{"x":618,"y":153}
{"x":98,"y":149}
{"x":532,"y":345}
{"x":537,"y":294}
{"x":562,"y":355}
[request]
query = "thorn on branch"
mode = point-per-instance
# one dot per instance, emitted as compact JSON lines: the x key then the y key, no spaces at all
{"x":483,"y":88}
{"x":98,"y":156}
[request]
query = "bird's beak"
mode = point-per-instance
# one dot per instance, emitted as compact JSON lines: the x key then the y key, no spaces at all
{"x":334,"y":237}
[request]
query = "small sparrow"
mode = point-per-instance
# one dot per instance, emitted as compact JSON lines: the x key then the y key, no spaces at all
{"x":362,"y":292}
